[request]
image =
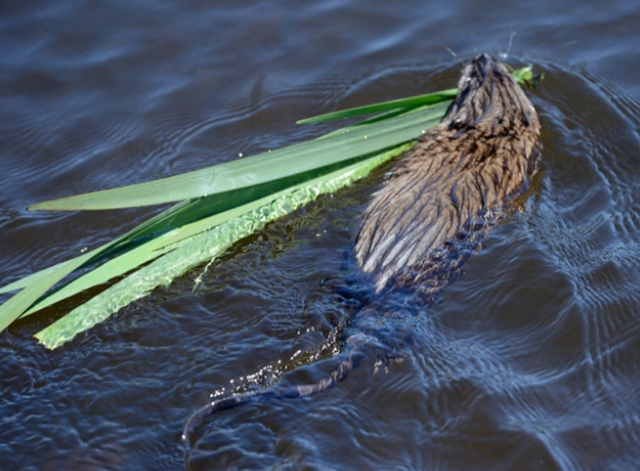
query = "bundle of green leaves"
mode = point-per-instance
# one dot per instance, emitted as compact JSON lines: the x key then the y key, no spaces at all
{"x":217,"y":206}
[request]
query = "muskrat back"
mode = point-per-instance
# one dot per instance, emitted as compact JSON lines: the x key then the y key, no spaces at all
{"x":475,"y":162}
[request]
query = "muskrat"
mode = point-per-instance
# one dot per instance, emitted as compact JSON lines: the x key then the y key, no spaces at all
{"x":465,"y":170}
{"x":429,"y":216}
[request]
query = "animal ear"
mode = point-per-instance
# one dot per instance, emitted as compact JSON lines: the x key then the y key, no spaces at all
{"x":459,"y":115}
{"x":458,"y":122}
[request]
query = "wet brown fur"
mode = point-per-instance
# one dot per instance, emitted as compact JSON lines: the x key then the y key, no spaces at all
{"x":473,"y":164}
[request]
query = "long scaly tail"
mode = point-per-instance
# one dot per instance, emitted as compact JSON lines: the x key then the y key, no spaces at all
{"x":347,"y":361}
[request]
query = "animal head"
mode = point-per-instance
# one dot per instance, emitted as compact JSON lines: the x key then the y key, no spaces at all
{"x":485,"y":106}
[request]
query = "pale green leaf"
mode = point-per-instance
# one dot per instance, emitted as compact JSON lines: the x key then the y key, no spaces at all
{"x":282,"y":168}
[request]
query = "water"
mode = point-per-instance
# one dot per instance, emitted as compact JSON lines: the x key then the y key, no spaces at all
{"x":529,"y":361}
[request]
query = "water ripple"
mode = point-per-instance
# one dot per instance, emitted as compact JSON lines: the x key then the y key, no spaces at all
{"x":530,"y":359}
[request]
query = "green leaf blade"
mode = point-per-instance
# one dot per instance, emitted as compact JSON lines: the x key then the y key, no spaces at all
{"x":405,"y":104}
{"x":292,"y":161}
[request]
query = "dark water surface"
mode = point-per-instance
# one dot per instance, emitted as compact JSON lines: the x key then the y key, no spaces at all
{"x":531,"y":360}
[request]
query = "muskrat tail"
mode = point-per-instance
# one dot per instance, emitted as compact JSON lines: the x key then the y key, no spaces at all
{"x":346,"y":363}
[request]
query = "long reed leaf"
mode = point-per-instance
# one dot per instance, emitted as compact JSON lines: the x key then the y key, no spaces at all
{"x":404,"y":104}
{"x":293,"y":164}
